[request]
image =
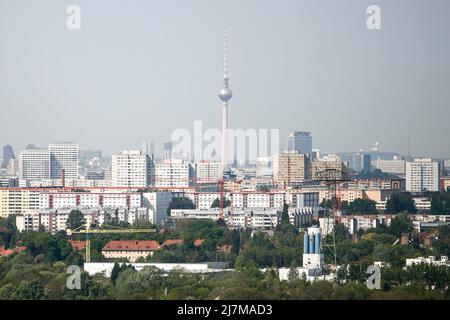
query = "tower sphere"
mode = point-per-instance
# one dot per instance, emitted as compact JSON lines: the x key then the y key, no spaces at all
{"x":225,"y":94}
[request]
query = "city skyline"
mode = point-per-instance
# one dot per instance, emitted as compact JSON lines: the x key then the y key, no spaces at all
{"x":326,"y":71}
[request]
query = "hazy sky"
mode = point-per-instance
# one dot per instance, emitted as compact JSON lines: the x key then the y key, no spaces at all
{"x":139,"y":69}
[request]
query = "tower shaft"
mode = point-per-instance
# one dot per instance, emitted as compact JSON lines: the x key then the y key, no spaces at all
{"x":225,"y":136}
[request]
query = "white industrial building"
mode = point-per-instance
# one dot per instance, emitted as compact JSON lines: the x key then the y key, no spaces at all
{"x":395,"y":166}
{"x":431,"y":260}
{"x":422,"y":175}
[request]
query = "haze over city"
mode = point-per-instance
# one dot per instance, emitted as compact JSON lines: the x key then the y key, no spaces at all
{"x":139,"y":71}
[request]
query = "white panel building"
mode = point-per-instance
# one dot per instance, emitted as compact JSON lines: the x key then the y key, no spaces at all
{"x":173,"y":174}
{"x":64,"y":156}
{"x":34,"y":164}
{"x":208,"y":172}
{"x":131,"y":169}
{"x":58,"y":200}
{"x":422,"y":175}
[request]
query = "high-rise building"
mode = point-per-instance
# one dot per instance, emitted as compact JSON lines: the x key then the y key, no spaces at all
{"x":167,"y":151}
{"x":145,"y":147}
{"x":366,"y":163}
{"x":422,"y":175}
{"x":300,"y":141}
{"x":8,"y":154}
{"x":34,"y":164}
{"x":64,"y":156}
{"x":173,"y":173}
{"x":225,"y":94}
{"x":318,"y":166}
{"x":131,"y":169}
{"x":290,"y":168}
{"x":208,"y":172}
{"x":447,"y":167}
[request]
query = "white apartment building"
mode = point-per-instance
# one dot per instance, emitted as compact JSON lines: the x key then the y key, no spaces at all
{"x":355,"y":223}
{"x":422,"y":175}
{"x":55,"y":220}
{"x":173,"y":173}
{"x":131,"y":169}
{"x":58,"y":200}
{"x":34,"y":164}
{"x":64,"y":156}
{"x":395,"y":166}
{"x":204,"y":200}
{"x":208,"y":172}
{"x":16,"y":200}
{"x":254,"y":218}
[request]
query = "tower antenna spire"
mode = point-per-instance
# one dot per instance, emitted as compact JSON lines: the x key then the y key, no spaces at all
{"x":225,"y":55}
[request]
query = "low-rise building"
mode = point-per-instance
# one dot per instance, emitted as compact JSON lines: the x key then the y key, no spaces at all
{"x":431,"y":260}
{"x":131,"y":250}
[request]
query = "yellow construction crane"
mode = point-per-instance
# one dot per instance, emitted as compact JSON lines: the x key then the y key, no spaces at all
{"x":87,"y":231}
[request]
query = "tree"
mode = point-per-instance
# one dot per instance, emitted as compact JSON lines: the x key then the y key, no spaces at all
{"x":75,"y":219}
{"x":400,"y":202}
{"x":400,"y":225}
{"x":285,"y":214}
{"x":440,"y":203}
{"x":115,"y":273}
{"x":180,"y":203}
{"x":363,"y":206}
{"x":216,"y":203}
{"x":293,"y":272}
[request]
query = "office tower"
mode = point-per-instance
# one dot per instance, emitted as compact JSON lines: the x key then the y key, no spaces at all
{"x":131,"y":169}
{"x":8,"y":154}
{"x":395,"y":166}
{"x":290,"y":168}
{"x":145,"y":147}
{"x":300,"y":141}
{"x":152,"y":148}
{"x":64,"y":156}
{"x":422,"y":175}
{"x":208,"y":171}
{"x":225,"y":95}
{"x":366,"y":163}
{"x":167,"y":151}
{"x":447,"y":167}
{"x":173,"y":173}
{"x":34,"y":164}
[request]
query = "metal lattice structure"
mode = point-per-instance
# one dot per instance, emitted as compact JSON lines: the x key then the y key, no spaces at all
{"x":332,"y":179}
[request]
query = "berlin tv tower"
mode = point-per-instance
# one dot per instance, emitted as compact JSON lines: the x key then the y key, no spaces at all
{"x":225,"y":95}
